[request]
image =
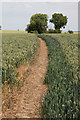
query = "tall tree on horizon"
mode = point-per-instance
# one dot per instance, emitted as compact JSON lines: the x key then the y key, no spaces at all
{"x":0,"y":27}
{"x":58,"y":20}
{"x":38,"y":22}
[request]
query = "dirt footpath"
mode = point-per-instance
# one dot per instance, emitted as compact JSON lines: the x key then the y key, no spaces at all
{"x":27,"y":102}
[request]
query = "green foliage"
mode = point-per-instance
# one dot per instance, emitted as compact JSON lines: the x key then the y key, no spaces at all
{"x":35,"y":32}
{"x":38,"y":22}
{"x":50,"y":31}
{"x":59,"y":20}
{"x":0,"y":27}
{"x":70,"y":31}
{"x":54,"y":31}
{"x":18,"y":47}
{"x":61,"y":101}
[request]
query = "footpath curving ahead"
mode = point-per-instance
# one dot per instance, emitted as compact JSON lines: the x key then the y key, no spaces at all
{"x":27,"y":103}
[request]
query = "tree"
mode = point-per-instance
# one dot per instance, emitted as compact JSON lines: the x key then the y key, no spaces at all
{"x":70,"y":31}
{"x":0,"y":27}
{"x":38,"y":22}
{"x":58,"y":20}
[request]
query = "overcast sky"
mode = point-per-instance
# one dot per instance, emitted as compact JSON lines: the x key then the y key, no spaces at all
{"x":16,"y":15}
{"x":39,"y":0}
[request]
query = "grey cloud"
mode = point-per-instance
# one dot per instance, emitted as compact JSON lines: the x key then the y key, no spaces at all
{"x":22,"y":11}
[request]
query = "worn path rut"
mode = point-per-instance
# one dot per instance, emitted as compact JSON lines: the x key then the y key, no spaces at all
{"x":27,"y":103}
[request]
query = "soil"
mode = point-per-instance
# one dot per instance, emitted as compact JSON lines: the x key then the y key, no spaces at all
{"x":26,"y":102}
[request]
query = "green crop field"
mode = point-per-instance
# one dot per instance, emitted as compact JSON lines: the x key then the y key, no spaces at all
{"x":62,"y":98}
{"x":61,"y":101}
{"x":17,"y":48}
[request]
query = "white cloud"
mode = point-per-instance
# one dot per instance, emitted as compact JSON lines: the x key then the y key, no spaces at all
{"x":17,"y":15}
{"x":39,"y":0}
{"x":27,"y":5}
{"x":0,"y":13}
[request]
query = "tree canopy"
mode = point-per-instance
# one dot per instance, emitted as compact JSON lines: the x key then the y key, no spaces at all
{"x":58,"y":20}
{"x":0,"y":27}
{"x":38,"y":22}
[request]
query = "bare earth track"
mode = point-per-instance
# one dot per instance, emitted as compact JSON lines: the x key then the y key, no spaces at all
{"x":27,"y":102}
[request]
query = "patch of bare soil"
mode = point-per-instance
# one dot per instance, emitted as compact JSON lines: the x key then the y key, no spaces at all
{"x":27,"y":100}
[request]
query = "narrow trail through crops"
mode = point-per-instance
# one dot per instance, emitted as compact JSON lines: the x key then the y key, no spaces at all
{"x":27,"y":103}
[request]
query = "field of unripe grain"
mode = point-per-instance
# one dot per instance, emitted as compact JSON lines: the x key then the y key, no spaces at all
{"x":62,"y":99}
